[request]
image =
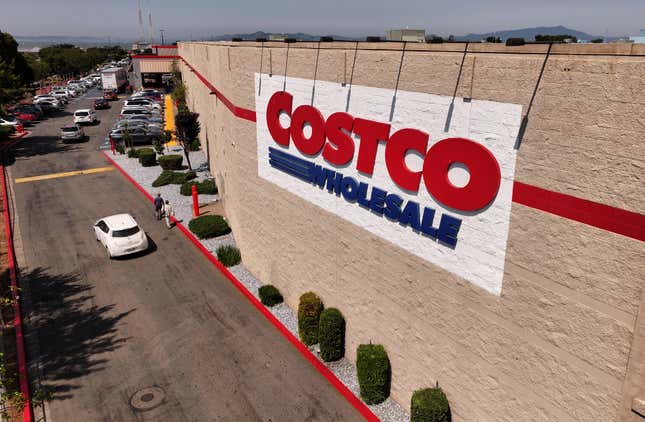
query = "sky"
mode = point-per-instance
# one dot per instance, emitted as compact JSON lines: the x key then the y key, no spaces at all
{"x":200,"y":19}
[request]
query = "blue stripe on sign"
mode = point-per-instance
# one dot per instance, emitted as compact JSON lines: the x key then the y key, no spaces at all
{"x":304,"y":176}
{"x":306,"y":167}
{"x":290,"y":164}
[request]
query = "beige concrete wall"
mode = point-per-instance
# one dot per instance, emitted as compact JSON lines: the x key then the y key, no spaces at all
{"x":556,"y":345}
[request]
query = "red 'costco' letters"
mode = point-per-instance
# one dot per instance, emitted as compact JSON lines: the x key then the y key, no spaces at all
{"x":332,"y":137}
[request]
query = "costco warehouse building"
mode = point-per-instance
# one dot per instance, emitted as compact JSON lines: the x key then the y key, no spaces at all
{"x":476,"y":209}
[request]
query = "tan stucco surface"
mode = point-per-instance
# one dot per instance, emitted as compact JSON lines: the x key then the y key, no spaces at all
{"x":565,"y":340}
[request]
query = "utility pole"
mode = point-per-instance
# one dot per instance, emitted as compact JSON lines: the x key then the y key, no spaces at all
{"x":162,"y":31}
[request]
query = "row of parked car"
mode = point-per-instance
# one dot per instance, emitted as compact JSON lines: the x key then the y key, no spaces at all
{"x":141,"y":116}
{"x":22,"y":114}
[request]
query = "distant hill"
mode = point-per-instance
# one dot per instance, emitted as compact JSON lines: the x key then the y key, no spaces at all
{"x":529,"y":33}
{"x":301,"y":36}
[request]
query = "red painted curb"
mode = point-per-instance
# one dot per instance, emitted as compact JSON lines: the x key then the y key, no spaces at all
{"x":304,"y":351}
{"x":605,"y":217}
{"x":27,"y":414}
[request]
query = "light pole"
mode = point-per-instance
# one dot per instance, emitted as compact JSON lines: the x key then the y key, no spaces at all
{"x":162,"y":31}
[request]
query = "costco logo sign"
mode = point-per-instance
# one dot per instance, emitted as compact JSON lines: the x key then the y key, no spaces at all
{"x":387,"y":166}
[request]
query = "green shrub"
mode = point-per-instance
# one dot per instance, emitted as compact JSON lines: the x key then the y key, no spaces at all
{"x":147,"y":157}
{"x":207,"y":187}
{"x":228,"y":255}
{"x":430,"y":405}
{"x":168,"y":177}
{"x":5,"y":132}
{"x":208,"y":226}
{"x":119,"y":148}
{"x":171,"y":162}
{"x":374,"y":373}
{"x":133,"y":153}
{"x":270,"y":295}
{"x":309,"y":310}
{"x":194,"y":145}
{"x":331,"y":335}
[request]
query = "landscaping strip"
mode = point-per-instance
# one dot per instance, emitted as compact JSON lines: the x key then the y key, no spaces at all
{"x":17,"y":318}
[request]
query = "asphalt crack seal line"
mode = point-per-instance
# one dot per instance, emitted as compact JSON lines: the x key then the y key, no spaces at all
{"x":64,"y":174}
{"x":354,"y":401}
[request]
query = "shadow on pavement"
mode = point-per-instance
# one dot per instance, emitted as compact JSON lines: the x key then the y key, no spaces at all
{"x":38,"y":145}
{"x":71,"y":330}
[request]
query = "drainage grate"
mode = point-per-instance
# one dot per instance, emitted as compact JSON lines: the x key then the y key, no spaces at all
{"x":147,"y":398}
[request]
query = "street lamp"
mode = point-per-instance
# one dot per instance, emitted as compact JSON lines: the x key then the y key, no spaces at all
{"x":162,"y":31}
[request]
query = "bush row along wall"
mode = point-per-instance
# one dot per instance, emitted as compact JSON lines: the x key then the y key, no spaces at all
{"x":556,"y":344}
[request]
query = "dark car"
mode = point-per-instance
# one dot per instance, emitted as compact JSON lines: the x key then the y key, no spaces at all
{"x":110,"y":95}
{"x":138,"y":135}
{"x":101,"y":104}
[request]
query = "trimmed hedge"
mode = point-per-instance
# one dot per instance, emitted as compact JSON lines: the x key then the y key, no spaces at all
{"x":147,"y":157}
{"x":309,"y":310}
{"x":207,"y":187}
{"x":270,"y":295}
{"x":208,"y":226}
{"x":5,"y":132}
{"x":168,"y":177}
{"x":430,"y":405}
{"x":331,"y":335}
{"x":171,"y":162}
{"x":374,"y":373}
{"x":229,"y":255}
{"x":119,"y":148}
{"x":133,"y":153}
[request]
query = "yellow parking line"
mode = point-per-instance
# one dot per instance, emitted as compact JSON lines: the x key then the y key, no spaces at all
{"x":65,"y":174}
{"x":170,"y":119}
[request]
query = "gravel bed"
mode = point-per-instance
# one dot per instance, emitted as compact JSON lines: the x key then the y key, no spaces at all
{"x":389,"y":410}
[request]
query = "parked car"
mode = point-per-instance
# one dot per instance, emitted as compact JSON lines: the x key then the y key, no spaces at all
{"x":120,"y":235}
{"x":147,"y":117}
{"x":48,"y":103}
{"x":110,"y":95}
{"x":143,"y":102}
{"x":72,"y":133}
{"x":60,"y":95}
{"x":32,"y":109}
{"x":49,"y":106}
{"x":127,"y":111}
{"x":10,"y":121}
{"x":25,"y":116}
{"x":101,"y":104}
{"x":130,"y":124}
{"x":85,"y":116}
{"x":138,"y":135}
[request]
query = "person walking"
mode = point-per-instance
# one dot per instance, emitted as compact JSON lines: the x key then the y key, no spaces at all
{"x":168,"y":213}
{"x":158,"y":206}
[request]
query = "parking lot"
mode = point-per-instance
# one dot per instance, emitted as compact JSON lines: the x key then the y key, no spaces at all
{"x":161,"y":336}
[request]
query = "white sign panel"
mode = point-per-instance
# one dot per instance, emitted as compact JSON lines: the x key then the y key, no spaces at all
{"x":465,"y":239}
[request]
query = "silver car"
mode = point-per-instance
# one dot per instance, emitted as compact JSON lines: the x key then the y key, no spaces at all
{"x":72,"y":133}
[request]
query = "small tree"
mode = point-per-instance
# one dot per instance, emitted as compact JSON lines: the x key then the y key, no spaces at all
{"x":187,"y":130}
{"x":493,"y":39}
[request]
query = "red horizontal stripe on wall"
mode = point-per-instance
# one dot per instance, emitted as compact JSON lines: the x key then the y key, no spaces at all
{"x":152,"y":56}
{"x":615,"y":220}
{"x":598,"y":215}
{"x":164,"y":46}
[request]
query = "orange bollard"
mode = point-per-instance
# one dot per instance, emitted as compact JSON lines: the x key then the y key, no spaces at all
{"x":195,"y":201}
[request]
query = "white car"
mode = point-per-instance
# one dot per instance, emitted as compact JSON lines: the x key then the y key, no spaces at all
{"x":46,"y":98}
{"x":143,"y":102}
{"x":84,"y":116}
{"x":10,"y":121}
{"x":121,"y":235}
